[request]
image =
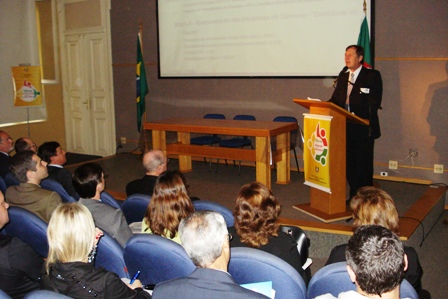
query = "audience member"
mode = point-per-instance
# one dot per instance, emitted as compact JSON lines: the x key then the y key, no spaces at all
{"x":375,"y":262}
{"x":206,"y":240}
{"x":256,"y":212}
{"x":52,"y":153}
{"x":88,"y":180}
{"x":372,"y":205}
{"x":155,"y":162}
{"x":24,"y":144}
{"x":20,"y":265}
{"x":168,"y":206}
{"x":72,"y":241}
{"x":30,"y":170}
{"x":6,"y":147}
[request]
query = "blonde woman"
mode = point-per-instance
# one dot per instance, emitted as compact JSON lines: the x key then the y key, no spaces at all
{"x":72,"y":240}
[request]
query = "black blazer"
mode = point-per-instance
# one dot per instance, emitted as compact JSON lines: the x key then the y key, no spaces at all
{"x":64,"y":177}
{"x":366,"y":95}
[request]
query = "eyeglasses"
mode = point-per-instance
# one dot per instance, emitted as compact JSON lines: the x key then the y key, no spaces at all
{"x":166,"y":161}
{"x":229,"y":236}
{"x":34,"y":145}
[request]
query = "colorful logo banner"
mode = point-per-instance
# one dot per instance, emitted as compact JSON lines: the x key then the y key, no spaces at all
{"x":27,"y":86}
{"x":317,"y":151}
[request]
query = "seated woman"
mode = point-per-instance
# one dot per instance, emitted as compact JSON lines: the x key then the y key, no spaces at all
{"x":256,"y":212}
{"x":374,"y":206}
{"x":72,"y":241}
{"x":169,"y":204}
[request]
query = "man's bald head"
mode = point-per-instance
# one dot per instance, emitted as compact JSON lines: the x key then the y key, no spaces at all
{"x":155,"y":162}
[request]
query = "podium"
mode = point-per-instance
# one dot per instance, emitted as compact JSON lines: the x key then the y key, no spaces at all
{"x":331,"y":206}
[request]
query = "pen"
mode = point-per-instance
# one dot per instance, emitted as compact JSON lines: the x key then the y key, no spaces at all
{"x":135,"y":277}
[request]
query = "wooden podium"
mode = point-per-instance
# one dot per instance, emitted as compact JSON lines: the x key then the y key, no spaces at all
{"x":329,"y":207}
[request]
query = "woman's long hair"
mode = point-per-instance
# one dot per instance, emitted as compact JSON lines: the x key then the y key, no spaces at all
{"x":169,"y":204}
{"x":71,"y":234}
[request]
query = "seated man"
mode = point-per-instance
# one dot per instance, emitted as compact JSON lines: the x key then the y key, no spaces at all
{"x":23,"y":144}
{"x":155,"y":163}
{"x":20,"y":265}
{"x":52,"y":153}
{"x":206,"y":240}
{"x":375,"y":262}
{"x":6,"y":147}
{"x":88,"y":180}
{"x":30,"y":170}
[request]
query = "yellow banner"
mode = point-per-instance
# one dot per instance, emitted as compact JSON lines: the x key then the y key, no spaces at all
{"x":27,"y":86}
{"x":317,"y":151}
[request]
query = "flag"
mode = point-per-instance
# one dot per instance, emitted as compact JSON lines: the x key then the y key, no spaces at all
{"x":142,"y":85}
{"x":364,"y":41}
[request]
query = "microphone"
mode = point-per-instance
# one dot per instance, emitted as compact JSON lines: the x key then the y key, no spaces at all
{"x":335,"y":82}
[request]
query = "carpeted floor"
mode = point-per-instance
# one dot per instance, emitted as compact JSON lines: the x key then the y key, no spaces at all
{"x":222,"y":187}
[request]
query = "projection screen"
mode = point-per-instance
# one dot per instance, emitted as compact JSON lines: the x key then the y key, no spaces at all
{"x":257,"y":38}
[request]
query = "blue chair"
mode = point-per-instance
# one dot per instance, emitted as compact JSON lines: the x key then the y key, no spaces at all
{"x":110,"y":200}
{"x":209,"y":140}
{"x":159,"y":259}
{"x":238,"y":142}
{"x":52,"y":185}
{"x":248,"y":265}
{"x":3,"y":295}
{"x":134,"y":207}
{"x":109,"y":255}
{"x":29,"y":228}
{"x":334,"y":279}
{"x":11,"y":180}
{"x":201,"y":205}
{"x":293,"y":137}
{"x":3,"y":186}
{"x":44,"y":294}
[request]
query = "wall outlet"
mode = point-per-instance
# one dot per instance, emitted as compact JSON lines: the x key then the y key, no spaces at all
{"x":393,"y":164}
{"x":413,"y":152}
{"x":383,"y":173}
{"x":438,"y":168}
{"x":123,"y":140}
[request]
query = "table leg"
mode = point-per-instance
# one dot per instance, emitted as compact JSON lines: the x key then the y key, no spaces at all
{"x":159,"y":140}
{"x":263,"y":154}
{"x":184,"y":160}
{"x":283,"y":158}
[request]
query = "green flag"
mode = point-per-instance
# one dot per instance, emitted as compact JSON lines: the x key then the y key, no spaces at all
{"x":364,"y":41}
{"x":142,"y":85}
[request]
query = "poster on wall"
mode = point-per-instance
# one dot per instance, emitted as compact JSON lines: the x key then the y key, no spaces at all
{"x":317,"y":151}
{"x":27,"y":82}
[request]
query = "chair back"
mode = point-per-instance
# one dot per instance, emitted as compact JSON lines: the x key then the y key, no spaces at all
{"x":334,"y":279}
{"x":248,"y":265}
{"x":29,"y":228}
{"x":134,"y":207}
{"x":294,"y":134}
{"x":201,"y":205}
{"x":3,"y":186}
{"x":110,"y":200}
{"x":44,"y":294}
{"x":214,"y":116}
{"x":109,"y":255}
{"x":303,"y":243}
{"x":11,"y":180}
{"x":159,"y":259}
{"x":52,"y":185}
{"x":3,"y":295}
{"x":244,"y":117}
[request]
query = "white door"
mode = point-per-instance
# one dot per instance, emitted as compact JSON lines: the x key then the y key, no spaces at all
{"x":88,"y":86}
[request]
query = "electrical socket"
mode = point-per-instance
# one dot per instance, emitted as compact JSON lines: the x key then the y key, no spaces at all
{"x":413,"y":152}
{"x":393,"y":164}
{"x":438,"y":168}
{"x":383,"y":173}
{"x":123,"y":140}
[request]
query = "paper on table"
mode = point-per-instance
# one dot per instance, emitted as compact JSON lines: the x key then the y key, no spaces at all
{"x":311,"y":99}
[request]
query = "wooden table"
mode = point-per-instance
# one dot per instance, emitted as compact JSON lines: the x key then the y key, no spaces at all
{"x":263,"y":131}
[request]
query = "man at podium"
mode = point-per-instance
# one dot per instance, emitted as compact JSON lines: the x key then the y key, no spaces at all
{"x":359,"y":90}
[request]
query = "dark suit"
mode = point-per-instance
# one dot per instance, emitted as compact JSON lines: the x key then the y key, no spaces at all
{"x":413,"y":274}
{"x":144,"y":185}
{"x":64,"y":177}
{"x":5,"y":160}
{"x":365,"y":100}
{"x":203,"y":283}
